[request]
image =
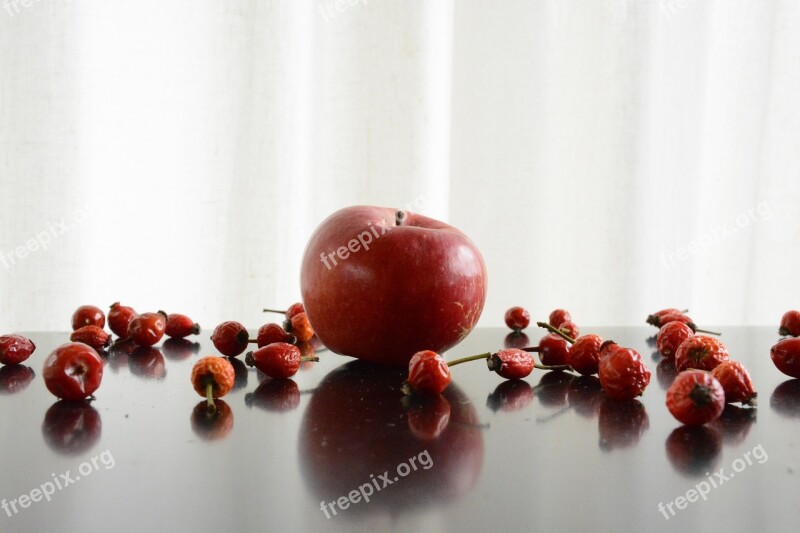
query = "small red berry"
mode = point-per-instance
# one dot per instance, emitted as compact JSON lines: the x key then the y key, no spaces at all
{"x":701,"y":352}
{"x":230,"y":338}
{"x":300,"y":327}
{"x":553,"y":350}
{"x":584,"y":355}
{"x":517,"y":318}
{"x":279,"y":360}
{"x":558,"y":317}
{"x":73,"y":371}
{"x":570,"y":328}
{"x":735,"y":381}
{"x":119,"y":318}
{"x":623,"y":375}
{"x":147,"y":329}
{"x":213,"y":377}
{"x":786,"y":356}
{"x":180,"y":326}
{"x":676,"y":317}
{"x":428,"y":373}
{"x":790,"y":324}
{"x":655,"y":318}
{"x":15,"y":349}
{"x":695,"y":397}
{"x":269,"y":333}
{"x":94,"y":336}
{"x":88,"y":315}
{"x":670,"y":336}
{"x":295,"y":309}
{"x":511,"y":363}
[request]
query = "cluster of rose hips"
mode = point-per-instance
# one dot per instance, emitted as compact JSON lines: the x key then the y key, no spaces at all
{"x":281,"y":350}
{"x":707,"y":378}
{"x":786,"y":353}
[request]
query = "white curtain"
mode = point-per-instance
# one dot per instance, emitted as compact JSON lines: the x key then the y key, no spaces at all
{"x":608,"y":156}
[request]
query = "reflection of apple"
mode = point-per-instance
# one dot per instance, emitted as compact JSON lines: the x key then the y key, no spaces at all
{"x":694,"y":450}
{"x":622,"y":423}
{"x":355,"y":425}
{"x":381,"y":285}
{"x":71,"y":428}
{"x":213,"y":424}
{"x":15,"y":378}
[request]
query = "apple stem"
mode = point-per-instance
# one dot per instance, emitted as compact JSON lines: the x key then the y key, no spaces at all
{"x":274,"y":311}
{"x":557,"y":331}
{"x":210,"y":397}
{"x":717,"y":333}
{"x":486,"y":355}
{"x":399,"y":217}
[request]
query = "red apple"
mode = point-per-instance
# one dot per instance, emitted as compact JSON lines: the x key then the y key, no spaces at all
{"x":380,"y":284}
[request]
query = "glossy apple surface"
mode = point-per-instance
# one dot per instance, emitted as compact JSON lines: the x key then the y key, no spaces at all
{"x":381,"y":287}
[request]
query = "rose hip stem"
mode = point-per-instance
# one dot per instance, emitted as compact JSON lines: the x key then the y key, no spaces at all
{"x":717,"y":333}
{"x":552,"y":329}
{"x":275,"y":311}
{"x":212,"y":407}
{"x":488,"y":355}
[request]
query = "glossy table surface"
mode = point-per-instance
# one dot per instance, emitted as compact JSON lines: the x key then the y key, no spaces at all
{"x":547,"y":454}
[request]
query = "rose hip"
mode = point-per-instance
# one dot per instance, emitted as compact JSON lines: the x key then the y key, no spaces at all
{"x":212,"y":377}
{"x":147,"y":329}
{"x":786,"y":356}
{"x":94,"y":336}
{"x":553,"y":350}
{"x":584,"y":355}
{"x":517,"y":318}
{"x":655,"y":318}
{"x":428,"y":373}
{"x":269,"y":333}
{"x":73,"y":371}
{"x":15,"y":349}
{"x":279,"y":360}
{"x":570,"y":328}
{"x":700,"y":352}
{"x":670,"y":336}
{"x":300,"y":327}
{"x":119,"y":318}
{"x":230,"y":338}
{"x":513,"y":363}
{"x":735,"y":381}
{"x":623,"y":375}
{"x":180,"y":326}
{"x":790,"y":324}
{"x":558,"y":317}
{"x":88,"y":315}
{"x":695,"y":398}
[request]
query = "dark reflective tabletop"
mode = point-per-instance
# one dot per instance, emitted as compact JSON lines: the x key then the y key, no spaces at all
{"x":550,"y":453}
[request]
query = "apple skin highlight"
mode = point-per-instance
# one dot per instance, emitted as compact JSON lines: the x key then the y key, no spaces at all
{"x":380,"y":284}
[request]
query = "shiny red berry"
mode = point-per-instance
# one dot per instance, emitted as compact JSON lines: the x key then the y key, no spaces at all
{"x":428,"y":373}
{"x":655,"y":318}
{"x":94,"y":336}
{"x":119,"y":318}
{"x":623,"y":375}
{"x":695,"y":398}
{"x":735,"y":381}
{"x":701,"y":352}
{"x":670,"y":336}
{"x":553,"y":350}
{"x":269,"y":333}
{"x":279,"y":360}
{"x":15,"y":349}
{"x":300,"y":327}
{"x":147,"y":329}
{"x":88,"y":315}
{"x":558,"y":317}
{"x":786,"y":356}
{"x":230,"y":338}
{"x":790,"y":324}
{"x":517,"y":318}
{"x":180,"y":326}
{"x":584,"y":355}
{"x":676,"y":317}
{"x":511,"y":363}
{"x":73,"y":371}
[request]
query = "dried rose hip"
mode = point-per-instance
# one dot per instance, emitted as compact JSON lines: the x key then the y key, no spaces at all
{"x":119,"y":318}
{"x":15,"y":349}
{"x":695,"y":398}
{"x":735,"y":381}
{"x":700,"y":352}
{"x":94,"y":336}
{"x":73,"y":371}
{"x":230,"y":338}
{"x":671,"y":336}
{"x":180,"y":326}
{"x":786,"y":356}
{"x":623,"y":375}
{"x":517,"y":318}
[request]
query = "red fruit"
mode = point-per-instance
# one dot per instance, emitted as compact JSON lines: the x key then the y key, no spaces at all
{"x":695,"y":397}
{"x":655,"y":318}
{"x":790,"y":324}
{"x":676,"y":317}
{"x":517,"y":318}
{"x":230,"y":338}
{"x":735,"y":381}
{"x":428,"y":373}
{"x":701,"y":352}
{"x":558,"y":317}
{"x":623,"y":375}
{"x":15,"y":349}
{"x":269,"y":333}
{"x":279,"y":360}
{"x":380,"y":284}
{"x":584,"y":355}
{"x":670,"y":336}
{"x":511,"y":363}
{"x":786,"y":356}
{"x":553,"y":350}
{"x":213,"y":377}
{"x":570,"y":328}
{"x":73,"y":371}
{"x":88,"y":315}
{"x":295,"y":309}
{"x":119,"y":318}
{"x":147,"y":328}
{"x":180,"y":326}
{"x":94,"y":336}
{"x":300,"y":327}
